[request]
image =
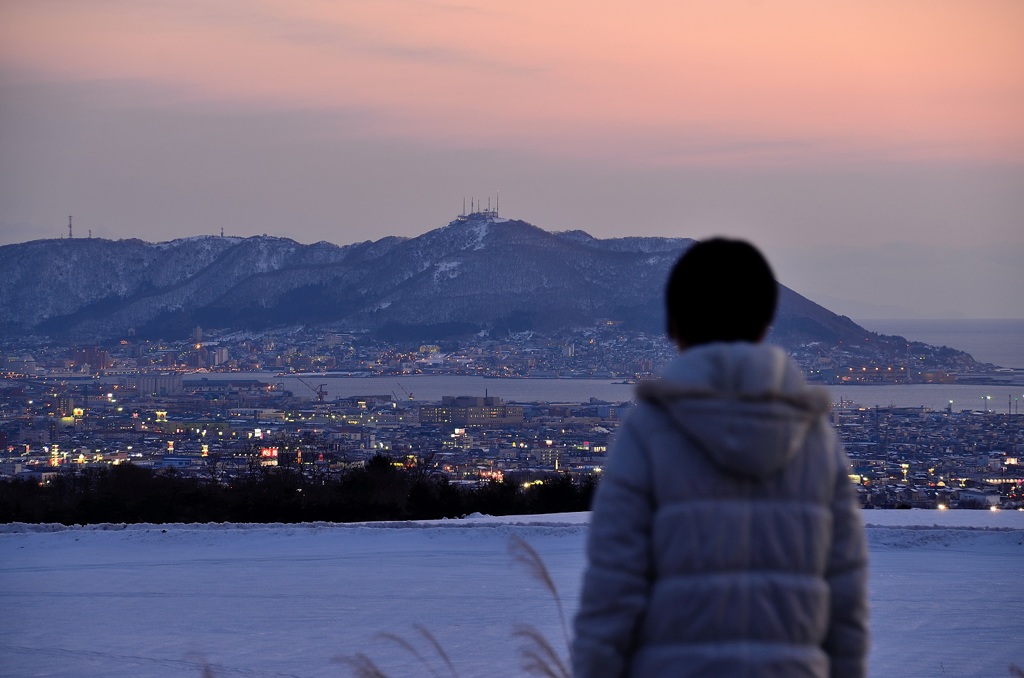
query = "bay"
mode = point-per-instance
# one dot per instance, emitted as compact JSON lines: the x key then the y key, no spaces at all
{"x":431,"y":388}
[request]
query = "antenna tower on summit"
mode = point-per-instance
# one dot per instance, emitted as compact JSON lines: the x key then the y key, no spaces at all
{"x":477,"y":210}
{"x":69,"y":227}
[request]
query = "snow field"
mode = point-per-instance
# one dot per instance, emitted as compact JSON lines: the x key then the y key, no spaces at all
{"x":286,"y":600}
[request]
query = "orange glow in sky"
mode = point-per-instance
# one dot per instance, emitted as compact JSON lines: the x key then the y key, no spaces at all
{"x":656,"y":82}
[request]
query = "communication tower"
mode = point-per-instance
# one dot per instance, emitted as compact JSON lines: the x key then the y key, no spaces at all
{"x":478,"y":211}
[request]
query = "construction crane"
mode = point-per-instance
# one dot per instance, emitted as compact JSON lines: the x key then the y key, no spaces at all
{"x":320,"y":390}
{"x":407,"y":393}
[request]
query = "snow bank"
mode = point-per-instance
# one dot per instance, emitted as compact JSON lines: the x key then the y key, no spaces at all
{"x":936,"y":518}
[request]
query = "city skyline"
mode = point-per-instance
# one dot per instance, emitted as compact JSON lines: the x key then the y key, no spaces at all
{"x":875,"y":151}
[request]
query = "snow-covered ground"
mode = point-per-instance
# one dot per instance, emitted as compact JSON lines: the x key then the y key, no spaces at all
{"x":947,"y":591}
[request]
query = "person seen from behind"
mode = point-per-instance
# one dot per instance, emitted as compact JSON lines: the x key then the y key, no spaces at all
{"x":726,"y":536}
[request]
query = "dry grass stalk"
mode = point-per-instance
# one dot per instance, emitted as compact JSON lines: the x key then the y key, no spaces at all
{"x":408,"y":647}
{"x":523,"y":553}
{"x":539,"y":657}
{"x":362,"y":666}
{"x":438,"y":649}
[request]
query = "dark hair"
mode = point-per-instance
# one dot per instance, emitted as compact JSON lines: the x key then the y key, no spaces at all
{"x":720,"y":290}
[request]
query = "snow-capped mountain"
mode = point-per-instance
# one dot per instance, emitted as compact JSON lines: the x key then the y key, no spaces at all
{"x":478,"y":272}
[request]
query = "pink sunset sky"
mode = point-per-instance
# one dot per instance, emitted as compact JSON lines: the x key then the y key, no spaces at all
{"x":875,"y":149}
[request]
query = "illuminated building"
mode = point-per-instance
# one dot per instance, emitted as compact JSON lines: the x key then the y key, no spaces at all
{"x":471,"y":411}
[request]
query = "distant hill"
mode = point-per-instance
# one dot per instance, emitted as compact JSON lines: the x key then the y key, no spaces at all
{"x":477,"y":273}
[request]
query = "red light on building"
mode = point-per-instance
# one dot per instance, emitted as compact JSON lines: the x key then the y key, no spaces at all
{"x":268,"y":456}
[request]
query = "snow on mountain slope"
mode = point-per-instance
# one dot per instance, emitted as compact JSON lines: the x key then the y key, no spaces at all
{"x":476,"y":273}
{"x":286,"y":600}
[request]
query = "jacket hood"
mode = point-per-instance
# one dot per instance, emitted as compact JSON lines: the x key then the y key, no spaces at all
{"x":746,"y":406}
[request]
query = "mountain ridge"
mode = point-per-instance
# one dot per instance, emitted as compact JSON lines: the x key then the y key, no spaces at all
{"x":477,"y":273}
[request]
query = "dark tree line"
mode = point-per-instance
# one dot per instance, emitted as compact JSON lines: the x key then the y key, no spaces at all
{"x":377,"y":491}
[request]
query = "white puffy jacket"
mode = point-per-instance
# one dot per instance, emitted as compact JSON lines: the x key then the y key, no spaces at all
{"x":725,"y":538}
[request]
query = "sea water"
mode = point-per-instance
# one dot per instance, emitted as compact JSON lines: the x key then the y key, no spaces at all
{"x":1000,"y":342}
{"x":431,"y":388}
